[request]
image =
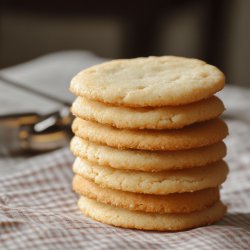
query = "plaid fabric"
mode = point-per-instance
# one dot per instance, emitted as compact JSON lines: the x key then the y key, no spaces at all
{"x":38,"y":208}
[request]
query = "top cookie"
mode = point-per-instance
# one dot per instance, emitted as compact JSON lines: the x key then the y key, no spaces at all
{"x":151,"y":81}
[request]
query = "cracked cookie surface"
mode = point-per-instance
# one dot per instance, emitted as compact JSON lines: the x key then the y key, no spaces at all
{"x":143,"y":160}
{"x":172,"y":203}
{"x":151,"y":81}
{"x":148,"y":118}
{"x":150,"y":221}
{"x":165,"y":182}
{"x":193,"y":136}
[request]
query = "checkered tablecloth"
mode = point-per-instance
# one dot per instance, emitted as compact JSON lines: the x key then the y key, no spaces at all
{"x":38,"y":208}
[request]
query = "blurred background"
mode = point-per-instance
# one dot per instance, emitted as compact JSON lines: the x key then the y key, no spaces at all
{"x":213,"y":30}
{"x":43,"y":44}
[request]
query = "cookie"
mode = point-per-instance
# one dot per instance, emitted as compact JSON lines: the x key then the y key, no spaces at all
{"x":193,"y":136}
{"x":148,"y":118}
{"x":172,"y":203}
{"x":132,"y":159}
{"x":150,"y":221}
{"x":165,"y":182}
{"x":151,"y":81}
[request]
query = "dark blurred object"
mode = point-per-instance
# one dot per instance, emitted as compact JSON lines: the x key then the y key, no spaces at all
{"x":35,"y":100}
{"x":30,"y":132}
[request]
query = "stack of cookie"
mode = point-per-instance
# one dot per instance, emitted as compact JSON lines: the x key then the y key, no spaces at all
{"x":148,"y":143}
